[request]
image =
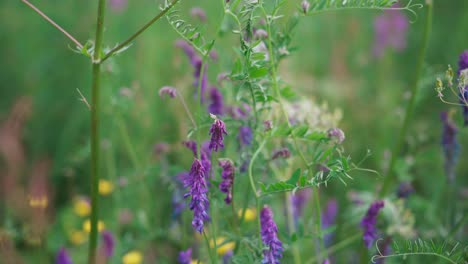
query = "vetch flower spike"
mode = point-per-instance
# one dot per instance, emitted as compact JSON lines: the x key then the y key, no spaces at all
{"x":269,"y":231}
{"x":217,"y":132}
{"x":185,"y":257}
{"x":228,"y":179}
{"x":198,"y":190}
{"x":169,"y":91}
{"x":63,"y":257}
{"x":369,"y":221}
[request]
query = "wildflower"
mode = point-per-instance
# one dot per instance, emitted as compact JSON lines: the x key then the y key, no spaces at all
{"x":305,"y":5}
{"x":222,"y":245}
{"x":214,"y":55}
{"x":384,"y":248}
{"x":169,"y":91}
{"x":198,"y":189}
{"x":185,"y":257}
{"x":227,"y":258}
{"x":390,"y":31}
{"x":326,"y":261}
{"x":328,"y":219}
{"x":249,"y":215}
{"x":161,"y":148}
{"x":105,"y":187}
{"x":267,"y":125}
{"x":298,"y":201}
{"x":196,"y":62}
{"x":118,"y":5}
{"x":132,"y":257}
{"x":63,"y":257}
{"x":77,"y":237}
{"x":269,"y":231}
{"x":217,"y":106}
{"x":463,"y":65}
{"x":87,"y":226}
{"x":199,"y":13}
{"x":108,"y":243}
{"x":40,"y":202}
{"x":239,"y":112}
{"x":449,"y":145}
{"x":260,"y":34}
{"x":404,"y":190}
{"x":228,"y":179}
{"x":369,"y":221}
{"x":245,"y":135}
{"x":281,"y":153}
{"x":337,"y":134}
{"x":125,"y":216}
{"x":81,"y":206}
{"x":192,"y":145}
{"x":217,"y":132}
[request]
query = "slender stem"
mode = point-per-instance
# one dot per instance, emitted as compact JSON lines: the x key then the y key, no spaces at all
{"x":210,"y":253}
{"x":95,"y":141}
{"x":182,"y":101}
{"x":141,"y":30}
{"x":68,"y":35}
{"x":390,"y":175}
{"x":335,"y":248}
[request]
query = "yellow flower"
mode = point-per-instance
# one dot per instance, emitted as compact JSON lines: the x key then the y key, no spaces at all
{"x":250,"y":214}
{"x":39,"y":202}
{"x":77,"y":237}
{"x":195,"y":262}
{"x":222,"y":245}
{"x":81,"y":207}
{"x":87,"y":226}
{"x":105,"y":187}
{"x":132,"y":257}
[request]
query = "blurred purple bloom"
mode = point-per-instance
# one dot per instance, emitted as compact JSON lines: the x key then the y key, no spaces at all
{"x":260,"y":34}
{"x":328,"y":219}
{"x":390,"y":31}
{"x":198,"y":189}
{"x":369,"y":221}
{"x":267,"y":125}
{"x":196,"y":62}
{"x":462,"y":65}
{"x":217,"y":106}
{"x":192,"y":145}
{"x":185,"y":257}
{"x":281,"y":153}
{"x":298,"y":201}
{"x":178,"y":205}
{"x":161,"y":148}
{"x":228,"y":179}
{"x":245,"y":135}
{"x":199,"y":13}
{"x":118,"y":5}
{"x":217,"y":132}
{"x":108,"y":243}
{"x":269,"y":231}
{"x":168,"y":90}
{"x":336,"y":134}
{"x":227,"y":258}
{"x":449,"y":145}
{"x":63,"y":257}
{"x":305,"y":5}
{"x":404,"y":190}
{"x":239,"y":112}
{"x":385,"y":249}
{"x":326,"y":261}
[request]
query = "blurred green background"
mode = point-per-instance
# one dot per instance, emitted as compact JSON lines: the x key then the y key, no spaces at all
{"x":333,"y":64}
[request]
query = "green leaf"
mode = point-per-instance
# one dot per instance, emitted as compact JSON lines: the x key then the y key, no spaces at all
{"x":255,"y":73}
{"x":294,"y":177}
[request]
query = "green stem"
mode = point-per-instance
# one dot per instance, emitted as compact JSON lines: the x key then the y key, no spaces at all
{"x":335,"y":248}
{"x":210,"y":253}
{"x":141,"y":30}
{"x":95,"y":140}
{"x":390,"y":175}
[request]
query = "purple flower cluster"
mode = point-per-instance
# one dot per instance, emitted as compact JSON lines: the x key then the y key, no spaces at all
{"x":168,"y":90}
{"x":404,"y":190}
{"x":298,"y":202}
{"x":449,"y":145}
{"x":463,"y":65}
{"x":217,"y":132}
{"x":216,"y":106}
{"x":369,"y":221}
{"x":228,"y":179}
{"x":245,"y":135}
{"x":336,"y":134}
{"x":269,"y":231}
{"x":185,"y":257}
{"x":328,"y":219}
{"x":108,"y":243}
{"x":63,"y":257}
{"x":198,"y":189}
{"x":204,"y":153}
{"x":390,"y":31}
{"x":281,"y":153}
{"x":196,"y":62}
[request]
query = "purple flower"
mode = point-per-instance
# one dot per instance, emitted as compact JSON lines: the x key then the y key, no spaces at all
{"x":385,"y":249}
{"x":198,"y":189}
{"x":185,"y":257}
{"x":108,"y":243}
{"x":269,"y":231}
{"x":281,"y":153}
{"x":161,"y":148}
{"x":168,"y":90}
{"x":305,"y":5}
{"x":199,"y":13}
{"x":217,"y":106}
{"x":449,"y":145}
{"x":298,"y":201}
{"x":227,"y":258}
{"x":63,"y":257}
{"x":336,"y":134}
{"x":217,"y":132}
{"x":260,"y":34}
{"x":462,"y":65}
{"x":369,"y":221}
{"x":404,"y":190}
{"x":390,"y":31}
{"x":228,"y":179}
{"x":328,"y":219}
{"x":245,"y":135}
{"x":196,"y":62}
{"x":118,"y":5}
{"x":326,"y":261}
{"x":192,"y":145}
